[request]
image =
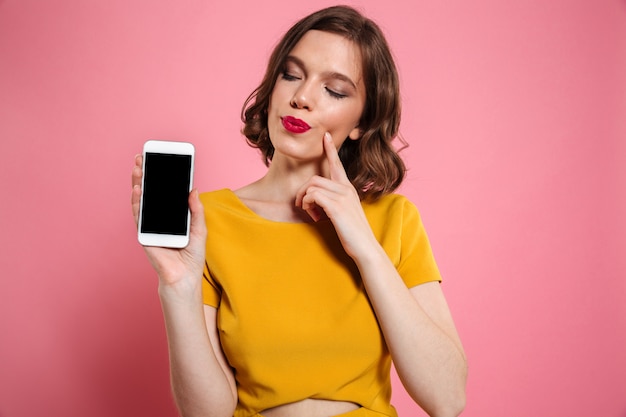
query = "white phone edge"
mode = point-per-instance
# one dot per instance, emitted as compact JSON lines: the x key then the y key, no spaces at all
{"x":169,"y":147}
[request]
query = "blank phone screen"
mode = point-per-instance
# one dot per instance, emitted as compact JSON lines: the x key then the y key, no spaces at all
{"x":165,"y":193}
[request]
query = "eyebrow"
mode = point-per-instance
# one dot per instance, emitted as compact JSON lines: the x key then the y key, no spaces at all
{"x":331,"y":74}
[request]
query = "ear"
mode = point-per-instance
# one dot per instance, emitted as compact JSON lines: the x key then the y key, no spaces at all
{"x":355,"y":133}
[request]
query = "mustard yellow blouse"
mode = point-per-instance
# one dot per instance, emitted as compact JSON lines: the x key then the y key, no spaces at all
{"x":293,"y":316}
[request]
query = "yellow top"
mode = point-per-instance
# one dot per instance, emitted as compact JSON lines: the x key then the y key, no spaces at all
{"x":293,"y":316}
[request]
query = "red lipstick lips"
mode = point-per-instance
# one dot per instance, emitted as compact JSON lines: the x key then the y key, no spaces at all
{"x":294,"y":125}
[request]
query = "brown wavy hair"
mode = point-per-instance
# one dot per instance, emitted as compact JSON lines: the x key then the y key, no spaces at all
{"x":371,"y":162}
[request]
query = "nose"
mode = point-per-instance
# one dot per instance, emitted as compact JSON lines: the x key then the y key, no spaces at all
{"x":302,"y":97}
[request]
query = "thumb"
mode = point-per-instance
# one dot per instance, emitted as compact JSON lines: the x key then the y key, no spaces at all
{"x":198,"y":225}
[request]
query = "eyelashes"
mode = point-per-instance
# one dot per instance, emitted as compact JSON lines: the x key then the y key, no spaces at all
{"x":335,"y":94}
{"x":285,"y":75}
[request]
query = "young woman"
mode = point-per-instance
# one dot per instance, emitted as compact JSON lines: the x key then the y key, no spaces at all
{"x":312,"y":279}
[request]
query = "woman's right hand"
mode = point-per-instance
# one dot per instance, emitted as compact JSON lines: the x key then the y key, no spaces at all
{"x":176,"y":268}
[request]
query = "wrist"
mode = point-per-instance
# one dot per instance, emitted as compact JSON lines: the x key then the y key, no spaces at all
{"x":371,"y":256}
{"x":183,"y":290}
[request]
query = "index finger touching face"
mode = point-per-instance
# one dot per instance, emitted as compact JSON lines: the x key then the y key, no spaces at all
{"x":337,"y":172}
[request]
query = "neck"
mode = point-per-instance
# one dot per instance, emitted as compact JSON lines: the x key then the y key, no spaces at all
{"x":283,"y":179}
{"x":273,"y":196}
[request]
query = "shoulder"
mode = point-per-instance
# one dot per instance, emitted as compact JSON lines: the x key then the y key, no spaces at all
{"x":397,"y":224}
{"x":390,"y":205}
{"x":217,"y":197}
{"x":393,"y":214}
{"x":222,"y":203}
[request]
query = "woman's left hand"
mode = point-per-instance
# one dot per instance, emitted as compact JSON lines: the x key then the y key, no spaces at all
{"x":339,"y":200}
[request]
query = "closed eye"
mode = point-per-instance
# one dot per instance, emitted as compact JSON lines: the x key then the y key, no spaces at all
{"x":289,"y":77}
{"x":335,"y":94}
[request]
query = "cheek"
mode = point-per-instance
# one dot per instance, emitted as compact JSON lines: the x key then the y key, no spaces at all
{"x":273,"y":99}
{"x":280,"y":92}
{"x":342,"y":119}
{"x":272,"y":110}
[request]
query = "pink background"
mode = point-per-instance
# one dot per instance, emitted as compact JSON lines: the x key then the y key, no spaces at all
{"x":516,"y":116}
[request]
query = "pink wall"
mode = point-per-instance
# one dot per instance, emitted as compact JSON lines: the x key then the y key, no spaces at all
{"x":515,"y":112}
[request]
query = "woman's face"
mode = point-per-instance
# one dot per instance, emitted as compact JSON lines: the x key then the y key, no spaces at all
{"x":320,"y":90}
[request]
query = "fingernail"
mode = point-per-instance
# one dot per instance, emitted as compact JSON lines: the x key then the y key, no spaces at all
{"x":315,"y":214}
{"x":327,"y":136}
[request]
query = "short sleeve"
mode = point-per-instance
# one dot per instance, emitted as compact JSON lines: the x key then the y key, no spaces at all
{"x":417,"y":263}
{"x":211,"y":291}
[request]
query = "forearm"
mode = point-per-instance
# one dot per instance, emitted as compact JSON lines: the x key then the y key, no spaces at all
{"x":428,"y":356}
{"x":199,"y":384}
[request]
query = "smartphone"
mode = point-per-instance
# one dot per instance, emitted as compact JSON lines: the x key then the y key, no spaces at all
{"x":164,"y":217}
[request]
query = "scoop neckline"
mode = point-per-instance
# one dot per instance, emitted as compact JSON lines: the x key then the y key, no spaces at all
{"x":251,"y":213}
